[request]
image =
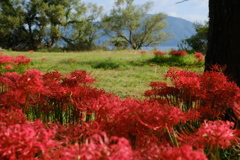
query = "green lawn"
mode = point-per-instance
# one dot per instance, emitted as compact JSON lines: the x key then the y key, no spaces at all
{"x":125,"y":73}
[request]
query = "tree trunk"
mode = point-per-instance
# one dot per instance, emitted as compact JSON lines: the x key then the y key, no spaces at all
{"x":224,"y":37}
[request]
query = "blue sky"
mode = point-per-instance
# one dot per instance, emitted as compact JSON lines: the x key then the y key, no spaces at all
{"x":192,"y":10}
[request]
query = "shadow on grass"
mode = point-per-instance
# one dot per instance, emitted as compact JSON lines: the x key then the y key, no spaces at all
{"x":178,"y":61}
{"x":111,"y":64}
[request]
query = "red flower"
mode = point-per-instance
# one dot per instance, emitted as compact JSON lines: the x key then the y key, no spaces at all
{"x":143,"y":51}
{"x":22,"y":59}
{"x":159,"y":53}
{"x":6,"y":59}
{"x":199,"y":56}
{"x":213,"y":133}
{"x":31,"y":51}
{"x":8,"y":67}
{"x":155,"y":116}
{"x":184,"y":152}
{"x":178,"y":53}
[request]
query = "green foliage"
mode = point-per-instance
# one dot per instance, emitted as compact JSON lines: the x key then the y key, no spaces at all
{"x":198,"y":42}
{"x":173,"y":60}
{"x":85,"y":32}
{"x":107,"y":65}
{"x":34,"y":24}
{"x":131,"y":24}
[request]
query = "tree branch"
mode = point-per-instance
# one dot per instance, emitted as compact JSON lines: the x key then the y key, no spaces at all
{"x":181,"y":1}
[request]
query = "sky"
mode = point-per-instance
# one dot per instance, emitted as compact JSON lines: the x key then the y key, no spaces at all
{"x":192,"y":10}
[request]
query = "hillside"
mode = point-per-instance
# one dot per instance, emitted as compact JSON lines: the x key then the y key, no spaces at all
{"x":179,"y":29}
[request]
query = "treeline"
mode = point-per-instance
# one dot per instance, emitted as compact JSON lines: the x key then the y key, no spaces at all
{"x":74,"y":25}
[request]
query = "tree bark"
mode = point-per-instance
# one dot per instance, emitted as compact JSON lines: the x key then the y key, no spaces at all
{"x":224,"y":37}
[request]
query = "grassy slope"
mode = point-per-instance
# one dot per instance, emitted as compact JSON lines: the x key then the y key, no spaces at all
{"x":125,"y":73}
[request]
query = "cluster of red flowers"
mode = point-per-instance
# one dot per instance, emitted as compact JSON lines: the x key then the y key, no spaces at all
{"x":218,"y":134}
{"x":161,"y":53}
{"x":199,"y":56}
{"x":50,"y":94}
{"x":22,"y":139}
{"x":143,"y":51}
{"x":209,"y":92}
{"x":10,"y":62}
{"x":178,"y":53}
{"x":183,"y":120}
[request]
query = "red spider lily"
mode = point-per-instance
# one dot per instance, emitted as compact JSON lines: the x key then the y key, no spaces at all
{"x":22,"y":59}
{"x":33,"y":88}
{"x":157,"y":117}
{"x":21,"y":139}
{"x":43,"y":59}
{"x":11,"y":117}
{"x":217,"y":134}
{"x":10,"y":62}
{"x":31,"y":51}
{"x":100,"y":147}
{"x":152,"y":149}
{"x":8,"y":67}
{"x":185,"y":80}
{"x":211,"y":90}
{"x":94,"y":118}
{"x":6,"y":59}
{"x":178,"y":53}
{"x":159,"y":53}
{"x":146,"y":118}
{"x":185,"y":152}
{"x":79,"y":77}
{"x":71,"y":134}
{"x":199,"y":56}
{"x":143,"y":51}
{"x":236,"y":107}
{"x":115,"y":114}
{"x":219,"y":92}
{"x":218,"y":68}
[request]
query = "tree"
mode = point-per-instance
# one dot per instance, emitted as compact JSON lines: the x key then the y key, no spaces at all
{"x":17,"y":19}
{"x":197,"y":42}
{"x":84,"y":34}
{"x":131,"y":23}
{"x":34,"y":24}
{"x":224,"y":37}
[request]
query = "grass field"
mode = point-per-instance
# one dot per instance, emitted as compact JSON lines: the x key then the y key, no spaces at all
{"x":125,"y":73}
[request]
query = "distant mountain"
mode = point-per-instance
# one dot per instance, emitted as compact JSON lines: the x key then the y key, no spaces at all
{"x":179,"y":29}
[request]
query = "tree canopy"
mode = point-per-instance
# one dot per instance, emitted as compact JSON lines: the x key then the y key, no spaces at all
{"x":197,"y":42}
{"x":74,"y":25}
{"x":36,"y":24}
{"x":131,"y":26}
